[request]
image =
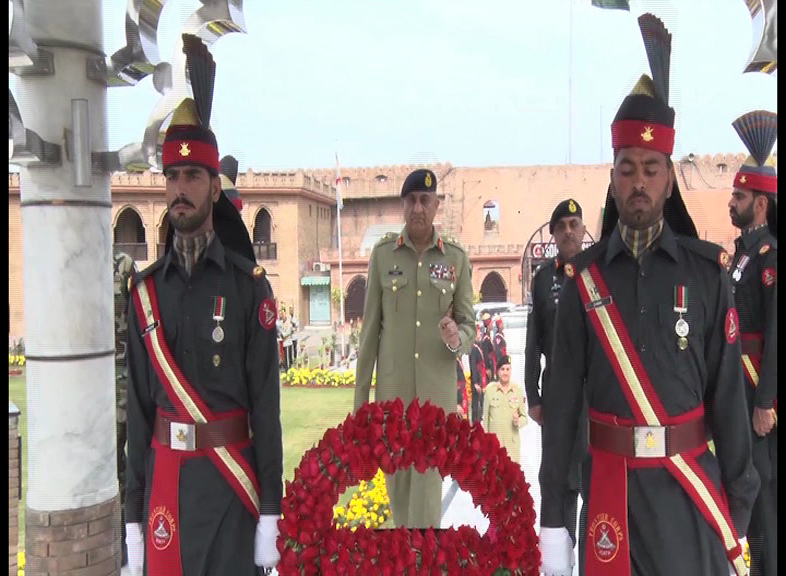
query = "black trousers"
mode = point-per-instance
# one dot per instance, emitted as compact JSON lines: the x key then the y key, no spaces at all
{"x":763,"y":527}
{"x":477,"y":405}
{"x":122,"y":434}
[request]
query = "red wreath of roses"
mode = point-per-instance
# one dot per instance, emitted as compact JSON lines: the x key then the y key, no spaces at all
{"x":383,"y":435}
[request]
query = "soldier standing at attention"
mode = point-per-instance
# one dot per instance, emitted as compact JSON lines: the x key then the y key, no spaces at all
{"x":504,"y":410}
{"x":205,"y":463}
{"x":567,"y":228}
{"x":647,"y":333}
{"x":500,"y":344}
{"x":754,"y":210}
{"x":417,"y":320}
{"x":487,"y":345}
{"x":122,"y":267}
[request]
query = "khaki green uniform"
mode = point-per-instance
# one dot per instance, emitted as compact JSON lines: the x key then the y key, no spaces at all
{"x":499,"y":406}
{"x":123,"y":267}
{"x":407,"y":295}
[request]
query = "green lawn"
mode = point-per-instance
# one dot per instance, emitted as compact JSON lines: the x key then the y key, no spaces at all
{"x":305,"y":415}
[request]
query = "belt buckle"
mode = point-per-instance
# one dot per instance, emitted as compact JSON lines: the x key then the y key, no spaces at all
{"x":649,"y":441}
{"x":182,"y":436}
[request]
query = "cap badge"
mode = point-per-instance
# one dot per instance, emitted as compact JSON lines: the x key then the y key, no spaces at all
{"x":184,"y":149}
{"x":572,"y":207}
{"x":743,"y":179}
{"x":764,"y":249}
{"x":427,"y":180}
{"x":647,"y":134}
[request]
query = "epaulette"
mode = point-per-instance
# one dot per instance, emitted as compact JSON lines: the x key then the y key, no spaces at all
{"x":708,"y":250}
{"x":248,"y":266}
{"x":387,"y":238}
{"x":453,"y":242}
{"x":586,"y":257}
{"x":137,"y":276}
{"x":769,"y":245}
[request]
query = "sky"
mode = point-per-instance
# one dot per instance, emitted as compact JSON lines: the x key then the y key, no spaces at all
{"x":470,"y":82}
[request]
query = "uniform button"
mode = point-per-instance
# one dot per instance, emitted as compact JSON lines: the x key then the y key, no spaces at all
{"x":394,"y":288}
{"x":416,"y":355}
{"x":642,"y":274}
{"x":420,"y":264}
{"x":444,"y":291}
{"x":452,"y":286}
{"x":419,"y":293}
{"x":394,"y":280}
{"x":417,"y":323}
{"x":643,"y":309}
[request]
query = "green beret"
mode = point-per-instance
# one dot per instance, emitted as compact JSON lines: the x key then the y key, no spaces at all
{"x":421,"y":180}
{"x":567,"y":207}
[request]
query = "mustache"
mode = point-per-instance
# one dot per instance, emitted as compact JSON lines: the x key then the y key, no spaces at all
{"x":181,"y":200}
{"x":639,"y":194}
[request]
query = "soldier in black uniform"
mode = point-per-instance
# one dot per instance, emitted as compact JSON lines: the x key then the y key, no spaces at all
{"x":500,"y":344}
{"x":754,"y":210}
{"x":477,"y":370}
{"x":203,"y":491}
{"x":228,"y":179}
{"x":487,"y":345}
{"x":647,"y":332}
{"x":567,"y":227}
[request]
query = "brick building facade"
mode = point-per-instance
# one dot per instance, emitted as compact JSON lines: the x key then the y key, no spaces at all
{"x":497,"y":213}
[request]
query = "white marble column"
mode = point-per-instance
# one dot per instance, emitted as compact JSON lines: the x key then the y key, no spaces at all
{"x":70,"y":439}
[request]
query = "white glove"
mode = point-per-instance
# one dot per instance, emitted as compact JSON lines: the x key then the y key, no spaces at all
{"x":135,"y":542}
{"x":556,"y":552}
{"x":265,"y":551}
{"x":743,"y":543}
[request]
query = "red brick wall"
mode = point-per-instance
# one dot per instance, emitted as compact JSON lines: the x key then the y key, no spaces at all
{"x":80,"y":542}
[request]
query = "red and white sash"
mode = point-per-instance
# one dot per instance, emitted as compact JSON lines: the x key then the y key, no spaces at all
{"x":163,"y":549}
{"x":608,"y":549}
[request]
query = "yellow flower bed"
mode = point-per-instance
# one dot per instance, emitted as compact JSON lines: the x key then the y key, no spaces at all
{"x":318,"y":377}
{"x":20,"y":560}
{"x":16,"y":360}
{"x":369,"y":506}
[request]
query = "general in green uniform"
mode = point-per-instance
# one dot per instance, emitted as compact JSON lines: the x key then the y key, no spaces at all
{"x":504,"y":410}
{"x":417,"y":320}
{"x":122,"y":269}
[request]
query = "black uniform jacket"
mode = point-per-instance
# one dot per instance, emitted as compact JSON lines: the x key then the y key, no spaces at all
{"x":756,"y":298}
{"x":668,"y":534}
{"x":239,"y":373}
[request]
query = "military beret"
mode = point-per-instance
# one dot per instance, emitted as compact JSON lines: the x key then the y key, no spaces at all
{"x":421,"y":180}
{"x":503,"y":360}
{"x":567,"y":207}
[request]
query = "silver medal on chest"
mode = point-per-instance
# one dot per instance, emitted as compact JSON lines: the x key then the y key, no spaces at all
{"x":681,"y":328}
{"x":736,"y":275}
{"x":218,"y":334}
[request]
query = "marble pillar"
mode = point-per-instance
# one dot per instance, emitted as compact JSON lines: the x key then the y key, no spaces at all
{"x":68,"y":301}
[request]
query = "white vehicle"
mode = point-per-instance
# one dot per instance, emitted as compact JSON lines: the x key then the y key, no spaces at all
{"x":492,"y":308}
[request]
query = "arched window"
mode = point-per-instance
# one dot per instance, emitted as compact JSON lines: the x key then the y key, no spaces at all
{"x":491,"y":216}
{"x":493,"y":288}
{"x":263,"y":247}
{"x":355,"y":299}
{"x":163,"y":230}
{"x":129,"y":234}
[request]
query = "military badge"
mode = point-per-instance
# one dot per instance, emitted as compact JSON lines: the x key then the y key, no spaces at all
{"x":216,"y":360}
{"x":130,"y":284}
{"x":572,"y":207}
{"x":768,"y":277}
{"x":400,"y":241}
{"x":764,"y":249}
{"x":184,"y":149}
{"x":732,"y":322}
{"x":743,"y":262}
{"x":162,"y":527}
{"x":440,"y":244}
{"x":605,"y":534}
{"x":569,"y":271}
{"x":439,"y":272}
{"x":647,"y":134}
{"x":427,"y":180}
{"x":267,"y":314}
{"x":743,"y":179}
{"x":724,"y":259}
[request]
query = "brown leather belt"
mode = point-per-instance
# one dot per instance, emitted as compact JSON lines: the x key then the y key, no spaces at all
{"x":647,"y":441}
{"x":190,"y":437}
{"x":752,"y":346}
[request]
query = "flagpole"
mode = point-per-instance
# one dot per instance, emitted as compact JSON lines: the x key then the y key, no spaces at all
{"x":339,"y":205}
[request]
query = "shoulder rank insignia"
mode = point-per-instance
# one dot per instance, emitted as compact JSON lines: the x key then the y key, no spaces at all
{"x":440,"y":244}
{"x":400,"y":241}
{"x":569,"y":271}
{"x":724,"y":259}
{"x":764,"y":249}
{"x":258,"y":271}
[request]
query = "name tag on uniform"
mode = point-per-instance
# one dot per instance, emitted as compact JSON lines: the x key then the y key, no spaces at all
{"x":395,"y":272}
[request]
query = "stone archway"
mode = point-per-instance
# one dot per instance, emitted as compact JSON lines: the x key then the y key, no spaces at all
{"x":355,"y":299}
{"x":129,"y":234}
{"x":493,"y":288}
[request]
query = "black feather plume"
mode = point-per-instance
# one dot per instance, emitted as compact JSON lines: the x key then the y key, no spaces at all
{"x":229,"y":165}
{"x":758,"y":131}
{"x":657,"y":43}
{"x":202,"y":72}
